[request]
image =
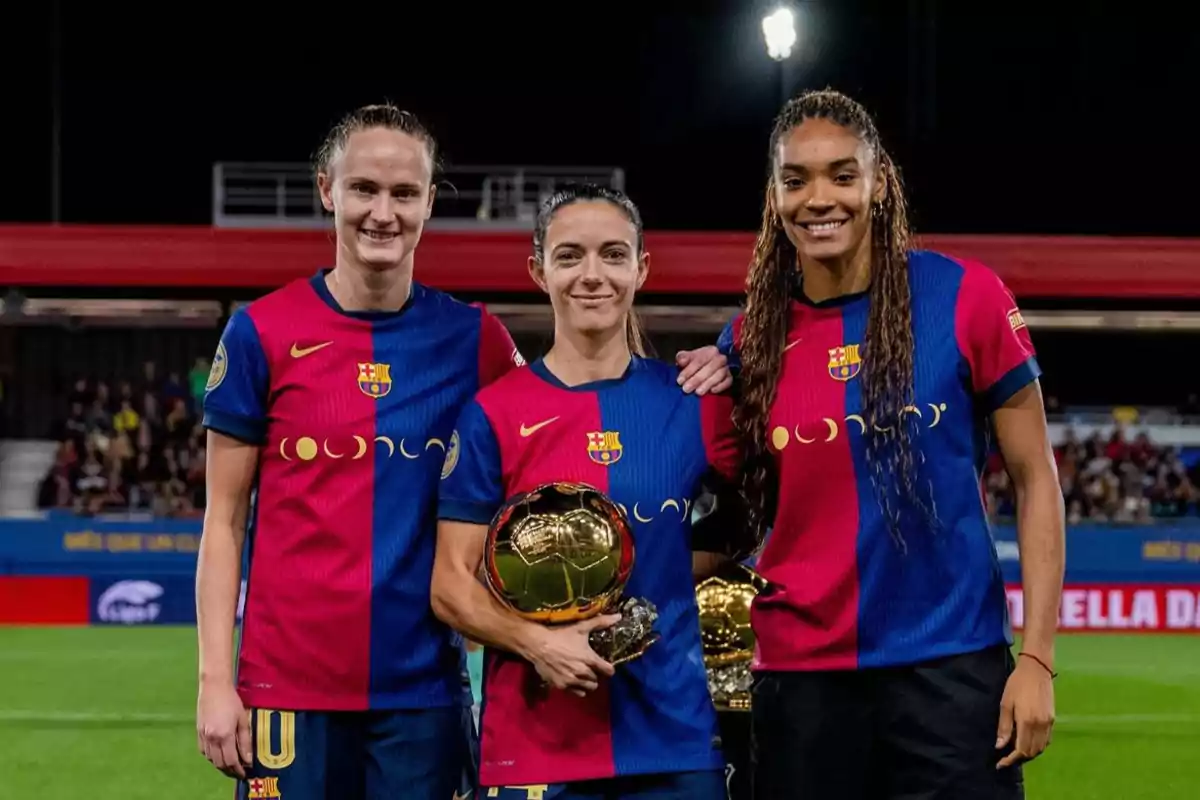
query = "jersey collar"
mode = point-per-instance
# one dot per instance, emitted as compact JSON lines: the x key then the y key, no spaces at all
{"x":539,"y":369}
{"x":322,"y":289}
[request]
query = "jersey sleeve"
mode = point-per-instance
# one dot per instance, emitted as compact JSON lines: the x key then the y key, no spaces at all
{"x":727,"y":344}
{"x":472,"y":488}
{"x":993,"y":337}
{"x":235,"y":398}
{"x":497,"y":352}
{"x":721,"y":443}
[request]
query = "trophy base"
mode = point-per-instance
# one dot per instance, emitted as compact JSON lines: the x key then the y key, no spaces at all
{"x":729,"y":684}
{"x":631,"y":636}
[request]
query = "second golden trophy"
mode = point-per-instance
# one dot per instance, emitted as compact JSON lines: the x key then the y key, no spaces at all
{"x":724,"y":601}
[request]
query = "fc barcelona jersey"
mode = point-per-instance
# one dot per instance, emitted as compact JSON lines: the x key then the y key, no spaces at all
{"x":354,"y":413}
{"x":647,"y":445}
{"x":844,"y":591}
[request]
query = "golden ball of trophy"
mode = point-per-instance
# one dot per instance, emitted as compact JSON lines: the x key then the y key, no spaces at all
{"x":724,"y":601}
{"x":563,"y":553}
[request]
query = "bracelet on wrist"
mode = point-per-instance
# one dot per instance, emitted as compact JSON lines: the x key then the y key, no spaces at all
{"x":1040,"y":663}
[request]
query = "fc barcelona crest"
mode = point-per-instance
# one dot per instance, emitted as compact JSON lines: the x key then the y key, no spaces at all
{"x":604,"y":447}
{"x":264,"y":788}
{"x":375,"y":380}
{"x":844,"y":362}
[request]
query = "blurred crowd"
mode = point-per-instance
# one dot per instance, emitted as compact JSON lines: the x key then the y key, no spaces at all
{"x":137,"y":445}
{"x":130,"y":445}
{"x":1110,"y":480}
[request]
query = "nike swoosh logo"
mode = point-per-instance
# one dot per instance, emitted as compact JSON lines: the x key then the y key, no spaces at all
{"x":532,"y":429}
{"x":301,"y":352}
{"x":790,"y":345}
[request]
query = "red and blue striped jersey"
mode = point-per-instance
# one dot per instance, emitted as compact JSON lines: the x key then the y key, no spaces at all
{"x":353,"y":413}
{"x":843,"y":593}
{"x":647,"y":445}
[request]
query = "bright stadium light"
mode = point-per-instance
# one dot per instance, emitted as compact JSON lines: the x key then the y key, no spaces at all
{"x":779,"y":30}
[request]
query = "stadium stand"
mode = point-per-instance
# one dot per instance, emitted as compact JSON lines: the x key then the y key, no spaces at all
{"x":139,"y":448}
{"x":1111,"y":479}
{"x":136,"y":449}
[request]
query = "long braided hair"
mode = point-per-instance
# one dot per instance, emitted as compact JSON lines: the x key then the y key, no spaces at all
{"x":887,"y":373}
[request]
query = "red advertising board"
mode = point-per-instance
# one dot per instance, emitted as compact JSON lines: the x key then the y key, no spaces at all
{"x":691,"y":263}
{"x":1120,"y":608}
{"x":27,"y":600}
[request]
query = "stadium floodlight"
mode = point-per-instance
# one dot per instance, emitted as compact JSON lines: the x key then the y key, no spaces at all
{"x":779,"y":30}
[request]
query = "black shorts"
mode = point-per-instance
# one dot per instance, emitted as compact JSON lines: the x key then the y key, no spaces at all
{"x":735,"y":746}
{"x":922,"y":732}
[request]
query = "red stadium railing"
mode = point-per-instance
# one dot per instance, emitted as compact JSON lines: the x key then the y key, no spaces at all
{"x":692,"y":263}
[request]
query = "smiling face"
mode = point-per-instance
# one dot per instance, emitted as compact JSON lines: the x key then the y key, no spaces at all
{"x":592,"y":266}
{"x":826,"y":179}
{"x":378,"y":186}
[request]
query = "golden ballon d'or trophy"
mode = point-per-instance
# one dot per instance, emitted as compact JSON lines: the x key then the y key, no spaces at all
{"x":563,"y":553}
{"x":724,"y":601}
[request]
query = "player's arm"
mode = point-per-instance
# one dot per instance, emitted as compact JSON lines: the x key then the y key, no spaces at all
{"x":471,"y":492}
{"x":235,"y":414}
{"x":230,"y":470}
{"x":465,"y":604}
{"x":1004,"y":374}
{"x":1027,"y":710}
{"x":1024,"y":441}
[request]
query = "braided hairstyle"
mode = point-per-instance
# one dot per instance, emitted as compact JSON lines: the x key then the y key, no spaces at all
{"x":887,"y":372}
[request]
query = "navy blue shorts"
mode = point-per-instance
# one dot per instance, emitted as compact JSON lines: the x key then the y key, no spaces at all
{"x":360,"y":755}
{"x":706,"y":785}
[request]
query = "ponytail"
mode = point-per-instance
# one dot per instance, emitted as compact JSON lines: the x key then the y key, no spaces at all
{"x":638,"y":343}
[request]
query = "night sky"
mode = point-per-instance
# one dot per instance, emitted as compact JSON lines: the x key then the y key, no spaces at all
{"x":1005,"y":117}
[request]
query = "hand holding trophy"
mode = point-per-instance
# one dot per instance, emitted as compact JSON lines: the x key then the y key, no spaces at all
{"x":728,"y":639}
{"x":563,"y":553}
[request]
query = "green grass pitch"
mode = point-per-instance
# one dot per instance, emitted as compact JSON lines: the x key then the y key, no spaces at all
{"x":109,"y":713}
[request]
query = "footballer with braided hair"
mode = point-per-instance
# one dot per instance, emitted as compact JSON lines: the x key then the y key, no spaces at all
{"x":872,"y":378}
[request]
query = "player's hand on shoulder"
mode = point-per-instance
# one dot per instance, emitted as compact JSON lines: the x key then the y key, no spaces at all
{"x":564,"y":657}
{"x":223,"y":729}
{"x":704,"y":370}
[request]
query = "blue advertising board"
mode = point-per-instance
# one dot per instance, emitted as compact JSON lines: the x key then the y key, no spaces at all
{"x":1109,"y":553}
{"x":124,"y":549}
{"x":143,"y":599}
{"x":66,"y":544}
{"x":137,"y":571}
